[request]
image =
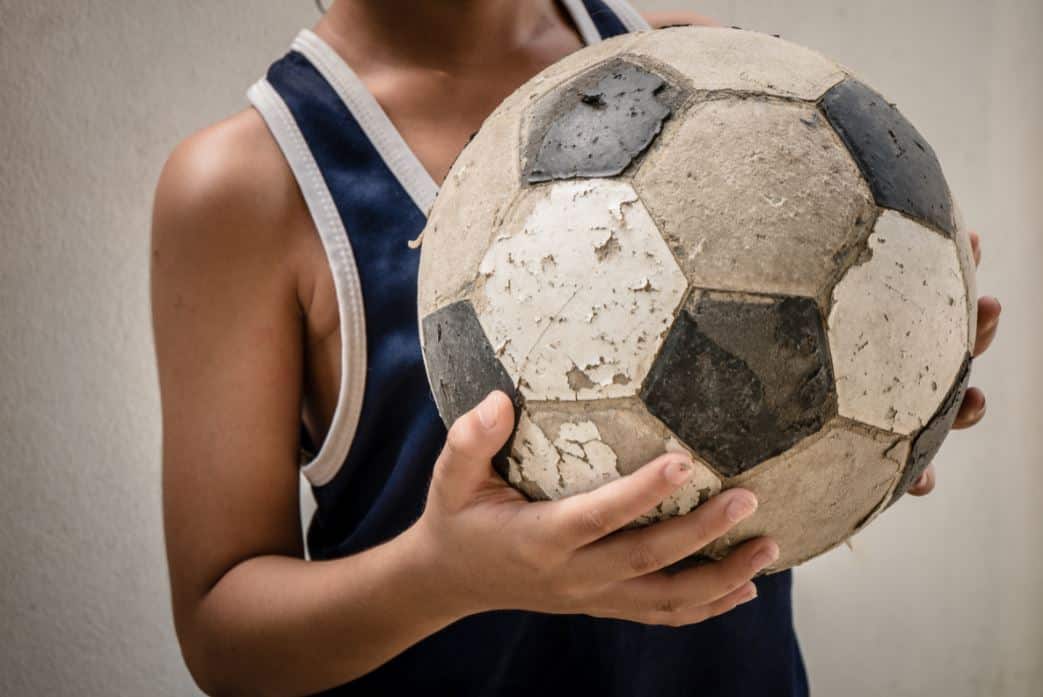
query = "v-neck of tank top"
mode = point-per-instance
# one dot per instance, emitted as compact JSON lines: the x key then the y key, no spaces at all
{"x":382,"y":132}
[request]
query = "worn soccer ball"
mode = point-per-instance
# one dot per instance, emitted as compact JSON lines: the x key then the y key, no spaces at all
{"x":706,"y":240}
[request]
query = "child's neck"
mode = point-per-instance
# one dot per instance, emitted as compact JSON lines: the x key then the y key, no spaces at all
{"x":442,"y":34}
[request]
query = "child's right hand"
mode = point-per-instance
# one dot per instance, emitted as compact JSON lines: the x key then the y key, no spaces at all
{"x":492,"y":549}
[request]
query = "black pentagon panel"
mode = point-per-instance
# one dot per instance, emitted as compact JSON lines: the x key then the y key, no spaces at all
{"x":598,"y":125}
{"x":929,"y":441}
{"x":901,"y":168}
{"x":462,"y":366}
{"x":741,"y":380}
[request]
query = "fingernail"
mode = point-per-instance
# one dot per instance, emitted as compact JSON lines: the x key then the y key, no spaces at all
{"x":487,"y":412}
{"x":766,"y":556}
{"x":678,"y":471}
{"x":921,"y":480}
{"x":741,"y":506}
{"x":749,"y":595}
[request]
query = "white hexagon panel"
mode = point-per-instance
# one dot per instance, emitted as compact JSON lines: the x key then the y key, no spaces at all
{"x":898,"y":327}
{"x":575,"y":262}
{"x":757,"y":196}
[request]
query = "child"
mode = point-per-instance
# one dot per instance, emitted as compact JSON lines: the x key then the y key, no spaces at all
{"x":284,"y":312}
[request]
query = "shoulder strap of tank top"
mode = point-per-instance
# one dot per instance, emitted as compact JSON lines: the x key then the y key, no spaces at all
{"x":371,"y":118}
{"x":602,"y":19}
{"x":322,"y":466}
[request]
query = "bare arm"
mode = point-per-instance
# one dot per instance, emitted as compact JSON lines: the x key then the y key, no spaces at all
{"x":252,"y":615}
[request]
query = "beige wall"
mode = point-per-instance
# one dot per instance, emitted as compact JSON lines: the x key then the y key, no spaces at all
{"x":942,"y":596}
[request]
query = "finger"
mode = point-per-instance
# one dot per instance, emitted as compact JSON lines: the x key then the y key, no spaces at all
{"x":924,"y":483}
{"x":649,"y":549}
{"x":717,"y":579}
{"x":699,"y":585}
{"x":989,"y":310}
{"x":465,"y":462}
{"x":701,"y":613}
{"x":976,"y":247}
{"x":972,"y":409}
{"x":581,"y":519}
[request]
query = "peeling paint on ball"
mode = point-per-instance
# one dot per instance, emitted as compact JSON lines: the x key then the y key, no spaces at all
{"x":560,"y":281}
{"x":713,"y":242}
{"x":564,"y":448}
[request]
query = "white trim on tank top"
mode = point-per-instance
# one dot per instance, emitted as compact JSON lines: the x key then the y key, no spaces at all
{"x":630,"y":17}
{"x":325,"y":464}
{"x":376,"y":124}
{"x":581,"y":18}
{"x":373,"y":120}
{"x":409,"y":172}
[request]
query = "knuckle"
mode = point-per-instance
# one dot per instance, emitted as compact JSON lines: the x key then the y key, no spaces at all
{"x":594,"y":522}
{"x":702,"y":530}
{"x":735,"y":572}
{"x":732,"y":576}
{"x":714,"y":580}
{"x":641,"y":559}
{"x":456,"y":438}
{"x":667,"y":606}
{"x":731,"y":583}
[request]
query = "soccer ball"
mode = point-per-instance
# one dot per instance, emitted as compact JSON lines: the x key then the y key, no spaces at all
{"x":706,"y":240}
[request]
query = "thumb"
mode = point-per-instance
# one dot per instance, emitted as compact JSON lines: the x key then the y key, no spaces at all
{"x":465,"y":463}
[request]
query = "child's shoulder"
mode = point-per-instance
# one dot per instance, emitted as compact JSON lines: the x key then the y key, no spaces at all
{"x":231,"y":167}
{"x":228,"y":186}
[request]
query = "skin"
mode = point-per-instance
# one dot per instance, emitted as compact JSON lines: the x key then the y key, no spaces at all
{"x":247,"y":341}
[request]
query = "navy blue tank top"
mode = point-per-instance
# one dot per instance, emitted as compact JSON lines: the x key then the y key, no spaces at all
{"x":368,"y":196}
